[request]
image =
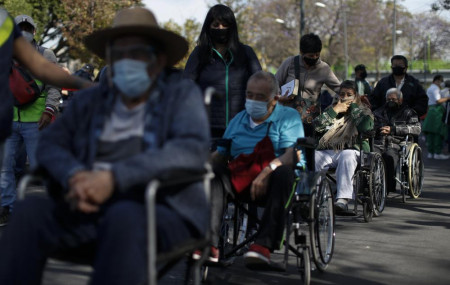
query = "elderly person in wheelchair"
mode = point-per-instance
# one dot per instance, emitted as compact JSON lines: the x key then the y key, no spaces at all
{"x":112,"y":140}
{"x":338,"y":129}
{"x":266,"y":132}
{"x":393,"y":121}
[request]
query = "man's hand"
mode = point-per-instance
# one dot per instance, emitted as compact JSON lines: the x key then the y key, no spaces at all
{"x":342,"y":106}
{"x":260,"y":183}
{"x":45,"y":120}
{"x":89,"y":189}
{"x":386,"y":130}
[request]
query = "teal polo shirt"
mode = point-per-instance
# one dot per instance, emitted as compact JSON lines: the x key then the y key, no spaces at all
{"x":285,"y":129}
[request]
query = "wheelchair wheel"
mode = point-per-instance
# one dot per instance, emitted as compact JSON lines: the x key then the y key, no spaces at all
{"x":233,"y":230}
{"x":322,"y":221}
{"x":305,"y":267}
{"x":377,"y":183}
{"x":204,"y":273}
{"x":415,"y":171}
{"x":368,"y":210}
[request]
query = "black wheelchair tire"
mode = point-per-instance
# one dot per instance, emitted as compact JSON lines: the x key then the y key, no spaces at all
{"x":322,"y":217}
{"x":377,"y":183}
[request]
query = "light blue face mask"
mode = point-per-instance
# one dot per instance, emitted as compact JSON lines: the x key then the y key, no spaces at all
{"x":28,"y":36}
{"x":131,"y":77}
{"x":256,"y":109}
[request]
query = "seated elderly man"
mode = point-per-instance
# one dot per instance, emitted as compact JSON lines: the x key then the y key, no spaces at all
{"x":338,"y":128}
{"x":273,"y":129}
{"x":109,"y":143}
{"x":393,"y":121}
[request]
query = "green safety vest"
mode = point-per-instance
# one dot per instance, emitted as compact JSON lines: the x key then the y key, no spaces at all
{"x":33,"y":112}
{"x":6,"y":26}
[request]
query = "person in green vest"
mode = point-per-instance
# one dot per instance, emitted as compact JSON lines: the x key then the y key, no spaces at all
{"x":14,"y":43}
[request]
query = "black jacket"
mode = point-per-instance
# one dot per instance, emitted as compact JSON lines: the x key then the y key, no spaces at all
{"x":215,"y":75}
{"x":413,"y":93}
{"x":403,"y":121}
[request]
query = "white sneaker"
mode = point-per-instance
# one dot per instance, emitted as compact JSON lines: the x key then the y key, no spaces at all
{"x":342,"y":200}
{"x":441,"y":156}
{"x":430,"y":155}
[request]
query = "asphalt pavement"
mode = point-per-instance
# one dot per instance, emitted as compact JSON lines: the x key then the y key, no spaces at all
{"x":408,"y":244}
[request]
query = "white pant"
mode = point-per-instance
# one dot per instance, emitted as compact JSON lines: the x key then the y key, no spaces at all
{"x":345,"y":162}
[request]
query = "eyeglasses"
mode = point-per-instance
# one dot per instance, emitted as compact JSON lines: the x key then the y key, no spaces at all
{"x":142,"y":52}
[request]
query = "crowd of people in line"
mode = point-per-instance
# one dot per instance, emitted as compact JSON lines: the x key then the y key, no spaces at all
{"x":143,"y":118}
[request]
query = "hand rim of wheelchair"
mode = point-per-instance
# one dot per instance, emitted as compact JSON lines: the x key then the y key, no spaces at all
{"x":415,"y":171}
{"x":377,"y":183}
{"x":323,"y":203}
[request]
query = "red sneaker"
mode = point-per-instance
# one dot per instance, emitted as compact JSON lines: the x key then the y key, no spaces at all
{"x":213,"y":254}
{"x":256,"y":256}
{"x":197,"y":255}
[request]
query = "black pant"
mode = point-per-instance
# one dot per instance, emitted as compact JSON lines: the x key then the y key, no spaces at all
{"x":270,"y":232}
{"x":40,"y":227}
{"x":390,"y":157}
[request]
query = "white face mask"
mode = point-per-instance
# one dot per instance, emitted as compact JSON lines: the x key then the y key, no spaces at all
{"x":442,"y":85}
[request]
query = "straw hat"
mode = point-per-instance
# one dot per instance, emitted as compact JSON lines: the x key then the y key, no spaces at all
{"x":138,"y":22}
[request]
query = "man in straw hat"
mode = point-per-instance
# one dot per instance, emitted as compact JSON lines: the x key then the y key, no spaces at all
{"x":109,"y":143}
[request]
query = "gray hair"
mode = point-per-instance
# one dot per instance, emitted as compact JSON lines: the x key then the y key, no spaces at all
{"x":269,"y":78}
{"x":396,"y":91}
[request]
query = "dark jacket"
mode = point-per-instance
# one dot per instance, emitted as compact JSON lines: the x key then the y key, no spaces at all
{"x":175,"y":136}
{"x":413,"y":94}
{"x":402,"y":122}
{"x":230,"y":82}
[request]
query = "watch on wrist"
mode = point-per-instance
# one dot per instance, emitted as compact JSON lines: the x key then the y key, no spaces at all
{"x":273,"y":166}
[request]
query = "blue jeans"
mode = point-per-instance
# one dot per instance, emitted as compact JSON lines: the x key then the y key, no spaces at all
{"x":28,"y":134}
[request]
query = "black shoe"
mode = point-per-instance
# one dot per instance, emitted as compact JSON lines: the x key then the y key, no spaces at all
{"x":4,"y":216}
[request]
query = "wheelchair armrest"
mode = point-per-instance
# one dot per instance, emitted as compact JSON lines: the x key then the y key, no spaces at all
{"x":37,"y":175}
{"x":168,"y":179}
{"x":307,"y":142}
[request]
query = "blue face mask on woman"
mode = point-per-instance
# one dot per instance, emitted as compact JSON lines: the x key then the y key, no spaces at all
{"x":131,"y":77}
{"x":256,"y":109}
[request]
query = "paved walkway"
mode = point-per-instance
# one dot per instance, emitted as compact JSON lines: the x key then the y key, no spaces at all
{"x":408,"y":244}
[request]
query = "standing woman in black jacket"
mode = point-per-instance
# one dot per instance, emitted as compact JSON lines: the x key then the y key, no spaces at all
{"x":221,"y":61}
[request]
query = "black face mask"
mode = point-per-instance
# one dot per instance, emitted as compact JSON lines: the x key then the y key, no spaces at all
{"x":310,"y":61}
{"x":392,"y":105}
{"x":220,"y":36}
{"x":363,"y":75}
{"x":398,"y":70}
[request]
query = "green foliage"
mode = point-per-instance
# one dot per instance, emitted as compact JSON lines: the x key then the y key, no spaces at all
{"x":190,"y":31}
{"x":66,"y":22}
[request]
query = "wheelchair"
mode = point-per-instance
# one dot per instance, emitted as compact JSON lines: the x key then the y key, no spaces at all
{"x":310,"y":222}
{"x":369,"y":182}
{"x":158,"y":263}
{"x":409,"y":172}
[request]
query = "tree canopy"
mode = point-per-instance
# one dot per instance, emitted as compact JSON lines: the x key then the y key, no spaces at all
{"x":65,"y":23}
